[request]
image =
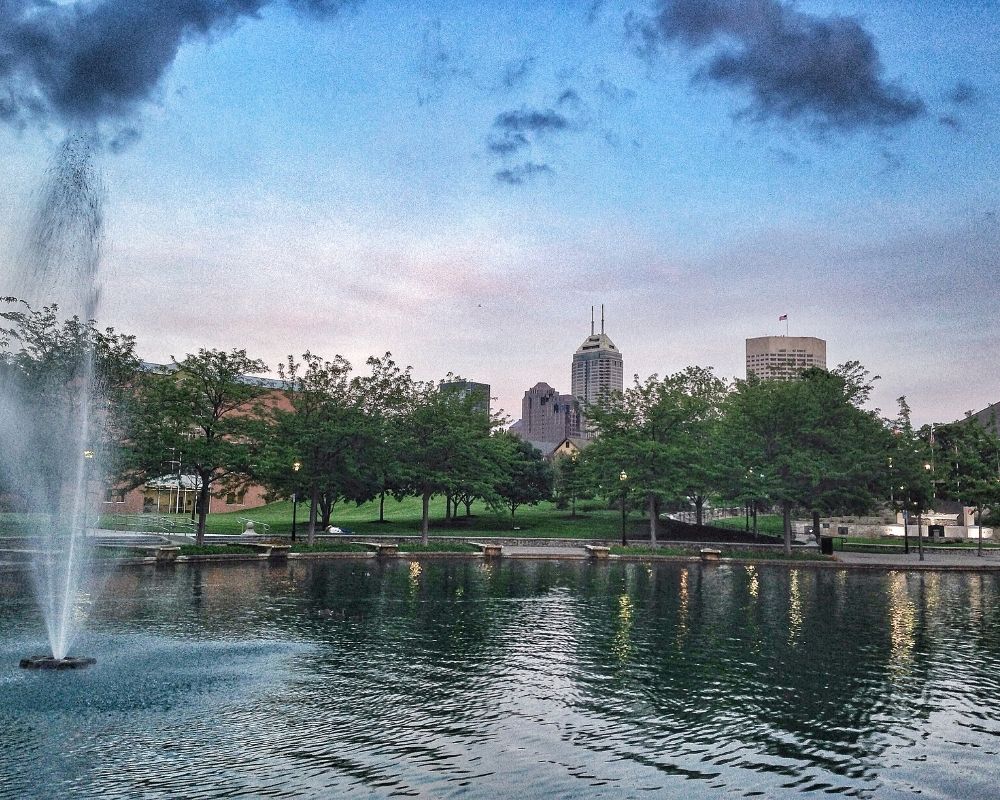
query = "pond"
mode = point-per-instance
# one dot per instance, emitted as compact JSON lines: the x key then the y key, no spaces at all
{"x":460,"y":678}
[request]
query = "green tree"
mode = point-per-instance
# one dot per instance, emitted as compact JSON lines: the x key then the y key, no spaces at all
{"x":806,"y":443}
{"x":444,"y":444}
{"x":526,"y":478}
{"x":965,"y":464}
{"x":204,"y":408}
{"x":571,"y":481}
{"x":658,"y":433}
{"x":63,"y":384}
{"x":332,"y":430}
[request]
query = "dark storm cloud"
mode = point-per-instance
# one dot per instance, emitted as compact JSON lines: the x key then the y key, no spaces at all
{"x":517,"y":175}
{"x":98,"y":60}
{"x":822,"y":70}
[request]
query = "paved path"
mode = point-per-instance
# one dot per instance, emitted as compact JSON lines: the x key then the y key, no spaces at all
{"x":960,"y":559}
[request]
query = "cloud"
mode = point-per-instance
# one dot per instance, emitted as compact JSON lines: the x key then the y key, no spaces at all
{"x":507,"y":144}
{"x":93,"y":61}
{"x":517,"y":71}
{"x":518,"y":130}
{"x":522,"y":173}
{"x":531,"y":121}
{"x":824,"y":71}
{"x":963,"y":94}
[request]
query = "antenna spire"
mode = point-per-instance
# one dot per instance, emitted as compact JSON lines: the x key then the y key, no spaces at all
{"x":591,"y":320}
{"x":602,"y":319}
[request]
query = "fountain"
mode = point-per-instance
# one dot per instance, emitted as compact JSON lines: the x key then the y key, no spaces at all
{"x":50,"y":436}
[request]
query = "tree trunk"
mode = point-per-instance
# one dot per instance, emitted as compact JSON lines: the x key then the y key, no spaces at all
{"x":313,"y":503}
{"x":425,"y":518}
{"x":573,"y":506}
{"x":325,"y":510}
{"x":816,"y":525}
{"x":786,"y":515}
{"x":468,"y":507}
{"x":381,"y":506}
{"x":512,"y":507}
{"x":202,"y":504}
{"x":652,"y":519}
{"x":699,"y":510}
{"x":447,"y":507}
{"x":754,"y":511}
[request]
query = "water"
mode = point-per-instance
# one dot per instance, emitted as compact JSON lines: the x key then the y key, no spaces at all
{"x":50,"y":423}
{"x":520,"y":679}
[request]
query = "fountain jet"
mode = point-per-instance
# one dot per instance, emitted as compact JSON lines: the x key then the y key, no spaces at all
{"x":49,"y":423}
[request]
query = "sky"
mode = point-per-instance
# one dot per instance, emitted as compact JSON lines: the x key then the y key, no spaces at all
{"x":459,"y":182}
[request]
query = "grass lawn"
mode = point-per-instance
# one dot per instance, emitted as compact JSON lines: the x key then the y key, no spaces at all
{"x":770,"y":524}
{"x":543,"y":520}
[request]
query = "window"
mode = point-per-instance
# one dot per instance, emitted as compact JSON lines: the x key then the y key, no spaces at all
{"x":114,"y":495}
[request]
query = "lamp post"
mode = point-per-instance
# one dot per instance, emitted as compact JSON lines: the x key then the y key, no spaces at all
{"x":622,"y":477}
{"x":296,"y":466}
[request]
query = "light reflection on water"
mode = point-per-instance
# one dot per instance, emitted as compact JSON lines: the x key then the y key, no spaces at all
{"x":528,"y":679}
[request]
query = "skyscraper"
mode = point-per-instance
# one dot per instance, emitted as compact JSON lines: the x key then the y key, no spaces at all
{"x":782,"y":358}
{"x":597,"y":367}
{"x":547,"y":416}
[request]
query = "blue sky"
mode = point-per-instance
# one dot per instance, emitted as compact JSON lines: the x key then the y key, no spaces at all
{"x":336,"y":182}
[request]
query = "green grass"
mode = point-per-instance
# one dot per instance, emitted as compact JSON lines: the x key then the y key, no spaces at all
{"x":767,"y":524}
{"x":214,"y":550}
{"x":742,"y":555}
{"x":329,"y":547}
{"x":757,"y":555}
{"x":438,"y":547}
{"x":639,"y":550}
{"x":541,"y":521}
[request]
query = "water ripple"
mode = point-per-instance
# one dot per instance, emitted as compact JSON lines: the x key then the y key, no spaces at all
{"x":539,"y":679}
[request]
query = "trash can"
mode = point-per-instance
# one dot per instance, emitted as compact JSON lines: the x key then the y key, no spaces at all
{"x":826,"y":545}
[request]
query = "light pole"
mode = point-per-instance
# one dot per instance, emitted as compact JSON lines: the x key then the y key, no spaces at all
{"x":622,"y":477}
{"x":295,"y":500}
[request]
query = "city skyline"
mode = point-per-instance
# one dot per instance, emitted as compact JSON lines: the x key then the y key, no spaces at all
{"x":449,"y":181}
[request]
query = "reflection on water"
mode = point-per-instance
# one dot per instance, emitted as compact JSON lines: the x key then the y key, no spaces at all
{"x":527,"y":679}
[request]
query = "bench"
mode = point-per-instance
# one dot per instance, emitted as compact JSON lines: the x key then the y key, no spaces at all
{"x":597,"y":550}
{"x":710,"y":554}
{"x":268,"y":549}
{"x":381,"y":548}
{"x":489,"y":549}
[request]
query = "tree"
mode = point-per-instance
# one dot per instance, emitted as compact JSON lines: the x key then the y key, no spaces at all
{"x":330,"y":430}
{"x":526,"y":478}
{"x":806,"y":443}
{"x":909,"y":468}
{"x":61,"y":396}
{"x":965,"y":464}
{"x":657,"y":433}
{"x":570,"y":481}
{"x":205,"y":409}
{"x":443,"y":443}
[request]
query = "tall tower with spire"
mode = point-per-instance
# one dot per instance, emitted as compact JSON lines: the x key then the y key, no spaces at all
{"x":597,"y":367}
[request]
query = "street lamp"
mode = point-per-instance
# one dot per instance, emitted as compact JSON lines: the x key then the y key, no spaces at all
{"x":296,"y":466}
{"x":622,"y":477}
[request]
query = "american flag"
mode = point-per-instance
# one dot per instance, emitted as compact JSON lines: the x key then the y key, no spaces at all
{"x":783,"y":317}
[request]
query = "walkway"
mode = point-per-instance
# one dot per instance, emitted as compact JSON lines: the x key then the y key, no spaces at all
{"x":960,"y":559}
